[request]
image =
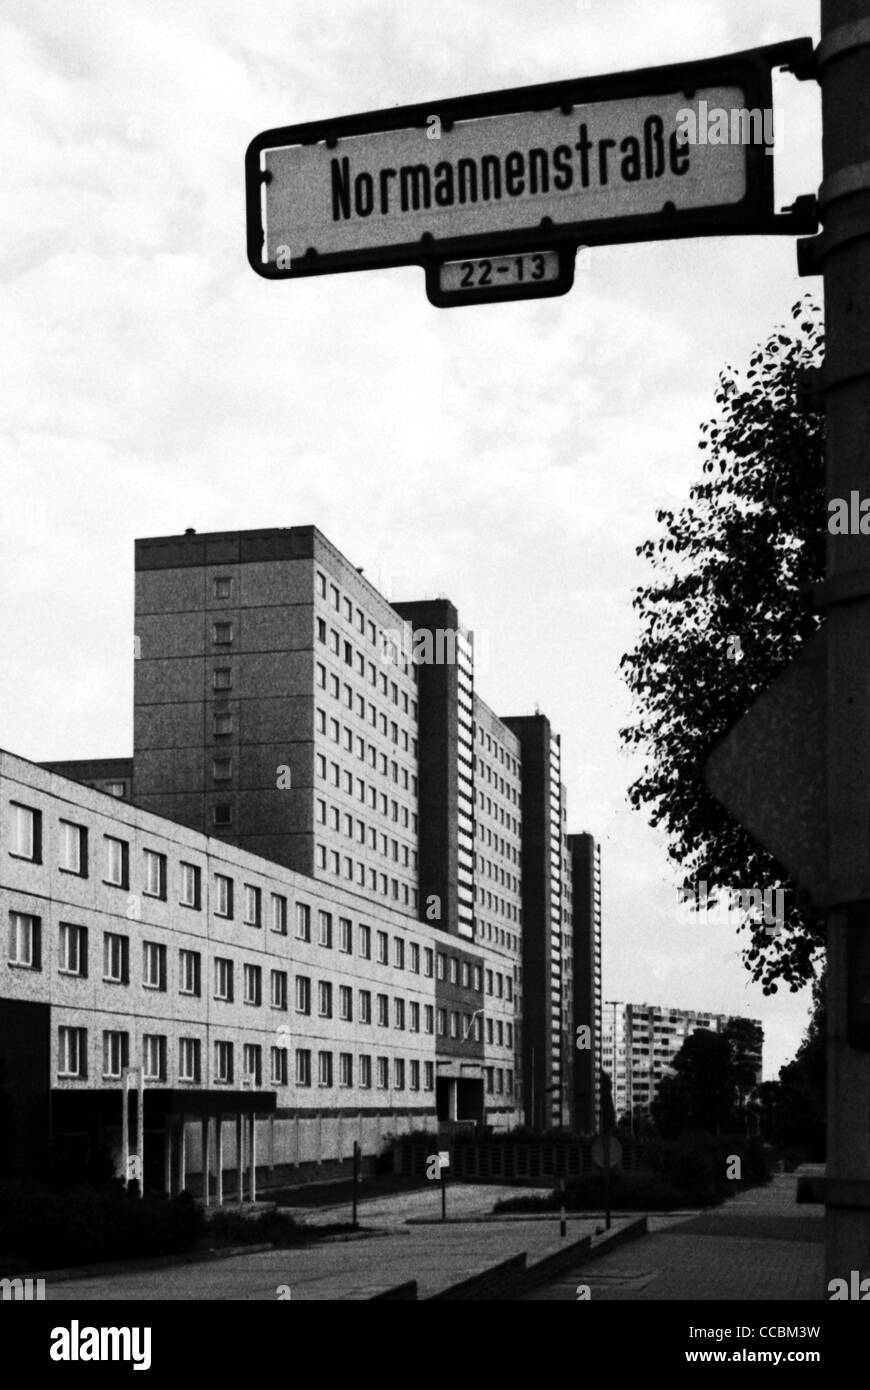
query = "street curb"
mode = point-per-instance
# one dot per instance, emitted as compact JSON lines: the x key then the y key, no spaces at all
{"x":63,"y":1276}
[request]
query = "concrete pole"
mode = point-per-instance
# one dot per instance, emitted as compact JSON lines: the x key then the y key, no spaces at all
{"x":205,"y":1124}
{"x":253,"y":1158}
{"x":167,"y":1155}
{"x":844,"y":59}
{"x":182,"y":1155}
{"x":219,"y":1160}
{"x":240,"y":1157}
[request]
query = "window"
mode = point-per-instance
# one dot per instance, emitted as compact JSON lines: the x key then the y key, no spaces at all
{"x":383,"y":948}
{"x":253,"y":906}
{"x":73,"y":849}
{"x":365,"y":942}
{"x":117,"y":862}
{"x":116,"y":1053}
{"x":489,"y":1030}
{"x":509,"y":1034}
{"x":398,"y":953}
{"x":415,"y":958}
{"x":26,"y":842}
{"x":442,"y":966}
{"x":399,"y":1073}
{"x":116,"y":958}
{"x":279,"y":914}
{"x":365,"y":1006}
{"x":252,"y":1063}
{"x":415,"y":1076}
{"x":345,"y":1069}
{"x":428,"y":1076}
{"x":489,"y":1077}
{"x":72,"y":1052}
{"x":428,"y":1017}
{"x":398,"y":1013}
{"x":324,"y":999}
{"x":222,"y":586}
{"x":489,"y":982}
{"x":466,"y":975}
{"x":345,"y":935}
{"x":190,"y":885}
{"x":222,"y":678}
{"x":442,"y":1022}
{"x":223,"y":979}
{"x":383,"y":1011}
{"x":383,"y":1073}
{"x":321,"y":583}
{"x":478,"y":979}
{"x":345,"y":1002}
{"x":324,"y":1068}
{"x":154,"y":1056}
{"x":303,"y":922}
{"x":427,"y":961}
{"x":222,"y":634}
{"x":223,"y":890}
{"x":73,"y":953}
{"x":25,"y":941}
{"x":454,"y":970}
{"x":303,"y":994}
{"x":324,"y":924}
{"x":155,"y":874}
{"x":279,"y":1066}
{"x":222,"y":814}
{"x":252,"y":979}
{"x":498,"y":985}
{"x":321,"y":630}
{"x":222,"y":769}
{"x":454,"y":1024}
{"x":508,"y":987}
{"x":153,"y":965}
{"x":278,"y":989}
{"x":189,"y":1060}
{"x":223,"y":1062}
{"x":303,"y":1066}
{"x":365,"y":1071}
{"x":414,"y":1021}
{"x":189,"y":972}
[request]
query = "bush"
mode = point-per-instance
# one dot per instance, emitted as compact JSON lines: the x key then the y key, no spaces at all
{"x":53,"y":1229}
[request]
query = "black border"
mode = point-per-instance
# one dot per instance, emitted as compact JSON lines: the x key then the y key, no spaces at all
{"x":749,"y":70}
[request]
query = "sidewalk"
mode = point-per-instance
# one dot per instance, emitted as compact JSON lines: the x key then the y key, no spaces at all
{"x":357,"y":1267}
{"x":761,"y":1246}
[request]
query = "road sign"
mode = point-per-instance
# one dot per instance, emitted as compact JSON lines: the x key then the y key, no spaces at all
{"x":664,"y":152}
{"x":528,"y":275}
{"x":606,"y":1152}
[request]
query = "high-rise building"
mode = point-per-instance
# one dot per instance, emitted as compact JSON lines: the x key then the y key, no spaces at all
{"x":547,"y":1001}
{"x":303,"y":739}
{"x":640,"y":1042}
{"x":585,"y":855}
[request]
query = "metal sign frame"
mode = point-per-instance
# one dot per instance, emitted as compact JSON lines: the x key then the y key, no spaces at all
{"x":750,"y":71}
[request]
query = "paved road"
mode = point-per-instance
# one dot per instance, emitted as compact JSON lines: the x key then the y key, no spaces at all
{"x":759,"y":1246}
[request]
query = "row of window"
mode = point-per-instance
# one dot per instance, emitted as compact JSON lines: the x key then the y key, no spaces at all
{"x":494,"y":902}
{"x":345,"y":651}
{"x":493,"y":746}
{"x":73,"y":1063}
{"x":338,"y":821}
{"x":500,"y":784}
{"x":366,"y":752}
{"x":363,"y":626}
{"x":331,"y":861}
{"x":25,"y":952}
{"x":488,"y":869}
{"x":498,"y":813}
{"x":388,"y":806}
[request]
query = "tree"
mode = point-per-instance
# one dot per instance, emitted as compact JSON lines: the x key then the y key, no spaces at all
{"x":796,"y":1104}
{"x":608,"y":1116}
{"x":732,"y":563}
{"x":745,"y":1040}
{"x":701,"y":1092}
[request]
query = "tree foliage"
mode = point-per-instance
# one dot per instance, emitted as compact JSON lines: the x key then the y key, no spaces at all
{"x":732,"y":563}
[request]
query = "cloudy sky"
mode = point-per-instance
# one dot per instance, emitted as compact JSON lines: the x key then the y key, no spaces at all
{"x":511,"y":456}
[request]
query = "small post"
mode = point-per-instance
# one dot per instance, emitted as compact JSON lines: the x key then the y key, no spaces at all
{"x":563,"y":1229}
{"x":356,"y":1158}
{"x":442,"y":1174}
{"x":125,"y":1128}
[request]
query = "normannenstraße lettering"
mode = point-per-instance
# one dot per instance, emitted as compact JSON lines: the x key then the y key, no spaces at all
{"x":591,"y":162}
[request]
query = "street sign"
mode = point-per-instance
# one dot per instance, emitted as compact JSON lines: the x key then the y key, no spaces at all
{"x":489,"y":279}
{"x":606,"y":1152}
{"x":682,"y":150}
